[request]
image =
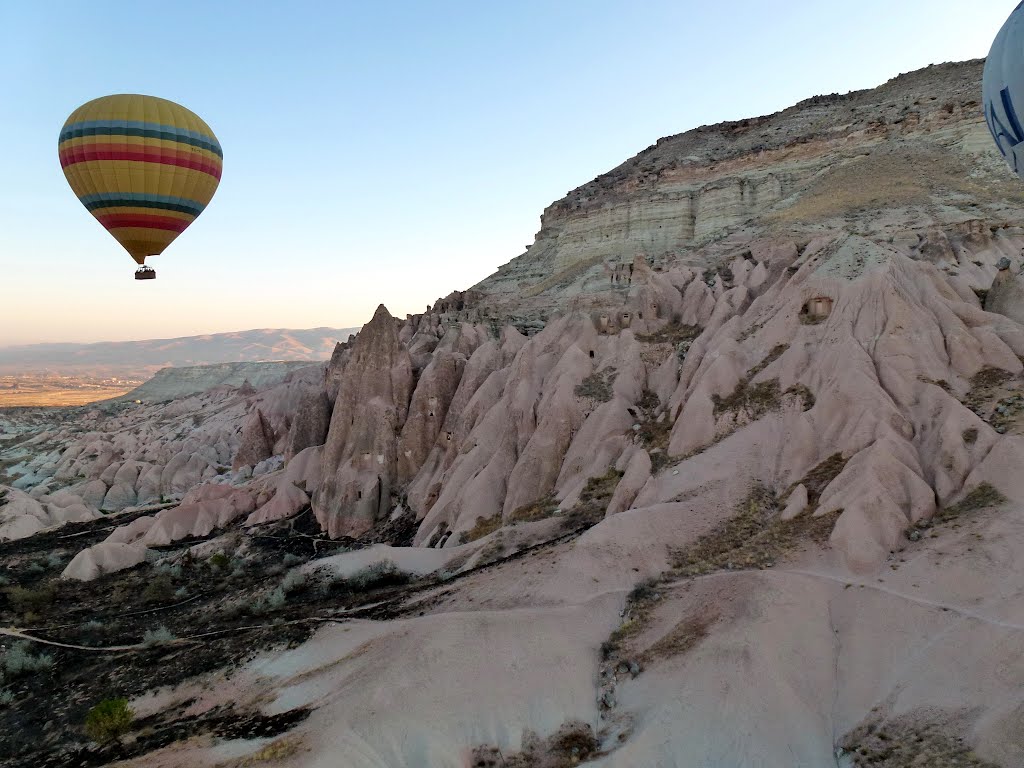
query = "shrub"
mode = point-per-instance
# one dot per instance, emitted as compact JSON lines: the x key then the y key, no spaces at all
{"x":219,"y":560}
{"x":174,"y":571}
{"x":19,"y":660}
{"x":645,"y":590}
{"x":382,"y":574}
{"x":25,"y":600}
{"x":290,"y":560}
{"x":597,"y":386}
{"x":267,"y":603}
{"x":158,"y":636}
{"x":159,"y":590}
{"x":276,"y":599}
{"x":757,"y":399}
{"x":6,"y":698}
{"x":109,"y":720}
{"x":294,"y":581}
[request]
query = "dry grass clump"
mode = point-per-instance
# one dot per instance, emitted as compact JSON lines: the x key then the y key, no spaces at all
{"x":818,"y":479}
{"x":673,"y":333}
{"x":806,"y":318}
{"x":594,"y":498}
{"x":682,"y":638}
{"x":754,"y":399}
{"x":755,"y":538}
{"x":902,"y":744}
{"x":777,"y":351}
{"x":984,"y":495}
{"x":655,"y":430}
{"x":572,"y":744}
{"x":940,"y":383}
{"x":600,"y":488}
{"x":483,"y":527}
{"x":805,"y":395}
{"x":598,"y":385}
{"x":883,"y":179}
{"x":983,"y":383}
{"x":539,"y":510}
{"x":276,"y":751}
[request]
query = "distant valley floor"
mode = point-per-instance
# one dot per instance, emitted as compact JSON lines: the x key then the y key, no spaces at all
{"x":54,"y":390}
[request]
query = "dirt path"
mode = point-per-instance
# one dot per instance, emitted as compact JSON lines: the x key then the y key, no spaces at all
{"x":12,"y":632}
{"x":951,"y":607}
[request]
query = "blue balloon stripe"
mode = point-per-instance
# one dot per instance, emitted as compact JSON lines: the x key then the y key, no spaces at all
{"x":141,"y":200}
{"x":139,"y":128}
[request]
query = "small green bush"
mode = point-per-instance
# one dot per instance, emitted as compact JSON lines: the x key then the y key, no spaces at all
{"x":26,"y":600}
{"x":219,"y":560}
{"x":159,"y":590}
{"x":109,"y":720}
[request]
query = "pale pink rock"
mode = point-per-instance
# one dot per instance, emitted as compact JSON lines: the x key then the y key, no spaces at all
{"x":92,"y":493}
{"x":304,"y":469}
{"x":132,"y":532}
{"x":202,"y":510}
{"x":118,"y":497}
{"x":256,"y":441}
{"x":105,"y":557}
{"x":287,"y":500}
{"x":796,"y":504}
{"x":360,"y":455}
{"x":636,"y":466}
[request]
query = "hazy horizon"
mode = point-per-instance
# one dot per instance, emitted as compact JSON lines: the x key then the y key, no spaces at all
{"x":390,"y":154}
{"x":7,"y":347}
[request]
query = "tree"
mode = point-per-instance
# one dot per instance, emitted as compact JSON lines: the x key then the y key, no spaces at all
{"x":109,"y":720}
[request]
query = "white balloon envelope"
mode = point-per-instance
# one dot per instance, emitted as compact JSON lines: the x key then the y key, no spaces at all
{"x":1002,"y":90}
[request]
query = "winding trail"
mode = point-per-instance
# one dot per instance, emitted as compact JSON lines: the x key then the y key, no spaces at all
{"x":958,"y":610}
{"x":17,"y":633}
{"x":950,"y":607}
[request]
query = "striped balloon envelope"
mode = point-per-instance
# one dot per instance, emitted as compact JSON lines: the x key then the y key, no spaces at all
{"x":145,"y":167}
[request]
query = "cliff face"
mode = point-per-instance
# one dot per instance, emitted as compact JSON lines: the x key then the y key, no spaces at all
{"x":887,"y":163}
{"x":761,"y":243}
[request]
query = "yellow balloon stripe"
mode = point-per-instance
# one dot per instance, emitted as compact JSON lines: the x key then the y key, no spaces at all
{"x":144,"y":167}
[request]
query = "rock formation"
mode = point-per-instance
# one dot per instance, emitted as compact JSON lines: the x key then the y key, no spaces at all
{"x":747,"y":416}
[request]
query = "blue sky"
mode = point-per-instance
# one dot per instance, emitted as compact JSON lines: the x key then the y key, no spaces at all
{"x":392,"y":151}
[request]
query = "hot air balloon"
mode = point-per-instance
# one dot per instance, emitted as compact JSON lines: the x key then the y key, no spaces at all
{"x":1002,"y":90}
{"x":145,"y":167}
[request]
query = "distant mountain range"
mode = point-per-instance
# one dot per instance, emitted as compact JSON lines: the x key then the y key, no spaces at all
{"x":141,"y":359}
